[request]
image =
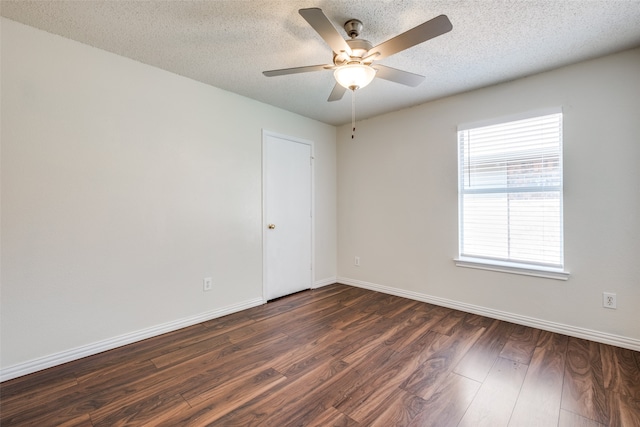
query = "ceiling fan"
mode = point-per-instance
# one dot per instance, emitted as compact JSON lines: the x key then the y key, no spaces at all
{"x":353,"y":59}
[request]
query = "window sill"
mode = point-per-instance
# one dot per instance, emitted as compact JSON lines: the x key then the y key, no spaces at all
{"x":513,"y":268}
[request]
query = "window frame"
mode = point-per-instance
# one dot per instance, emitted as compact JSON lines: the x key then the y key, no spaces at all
{"x":500,"y":265}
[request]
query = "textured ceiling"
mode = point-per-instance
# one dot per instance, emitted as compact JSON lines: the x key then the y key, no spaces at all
{"x":228,"y":43}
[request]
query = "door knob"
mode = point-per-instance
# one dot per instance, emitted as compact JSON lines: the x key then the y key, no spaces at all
{"x":272,"y":226}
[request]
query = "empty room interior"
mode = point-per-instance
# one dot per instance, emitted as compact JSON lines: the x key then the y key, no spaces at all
{"x":203,"y":224}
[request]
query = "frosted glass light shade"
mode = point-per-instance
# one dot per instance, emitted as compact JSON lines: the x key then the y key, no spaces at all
{"x":354,"y":76}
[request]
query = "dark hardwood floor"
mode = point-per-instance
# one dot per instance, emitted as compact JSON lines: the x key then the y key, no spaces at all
{"x":339,"y":356}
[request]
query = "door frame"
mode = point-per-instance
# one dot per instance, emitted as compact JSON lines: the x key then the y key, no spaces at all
{"x":265,"y":134}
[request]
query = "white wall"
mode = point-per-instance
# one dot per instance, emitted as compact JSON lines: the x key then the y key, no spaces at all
{"x":397,"y":202}
{"x":122,"y":187}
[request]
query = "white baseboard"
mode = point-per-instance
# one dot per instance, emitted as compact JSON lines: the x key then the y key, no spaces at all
{"x":324,"y":282}
{"x":111,"y":343}
{"x":574,"y":331}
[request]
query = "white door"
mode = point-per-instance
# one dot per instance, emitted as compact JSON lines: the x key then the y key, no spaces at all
{"x":287,"y":204}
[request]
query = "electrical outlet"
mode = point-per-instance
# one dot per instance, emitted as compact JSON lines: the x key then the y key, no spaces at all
{"x":207,"y":283}
{"x":609,"y":300}
{"x":356,"y":261}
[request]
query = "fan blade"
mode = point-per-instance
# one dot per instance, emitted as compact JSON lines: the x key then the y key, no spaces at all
{"x":398,"y":76}
{"x":296,"y":70}
{"x":337,"y":93}
{"x":318,"y":20}
{"x":423,"y":32}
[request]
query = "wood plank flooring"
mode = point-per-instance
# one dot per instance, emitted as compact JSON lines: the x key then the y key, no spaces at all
{"x":338,"y":356}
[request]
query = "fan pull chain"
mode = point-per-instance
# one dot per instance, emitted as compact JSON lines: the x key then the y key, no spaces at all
{"x":353,"y":113}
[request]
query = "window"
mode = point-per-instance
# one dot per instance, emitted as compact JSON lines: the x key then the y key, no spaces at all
{"x":510,"y":195}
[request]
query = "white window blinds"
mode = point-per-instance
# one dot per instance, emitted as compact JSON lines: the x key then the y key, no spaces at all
{"x":510,"y":177}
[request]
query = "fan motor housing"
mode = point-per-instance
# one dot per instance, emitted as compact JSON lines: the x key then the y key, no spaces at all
{"x":359,"y":48}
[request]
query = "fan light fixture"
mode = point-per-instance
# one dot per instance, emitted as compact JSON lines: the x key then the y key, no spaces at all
{"x":354,"y":76}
